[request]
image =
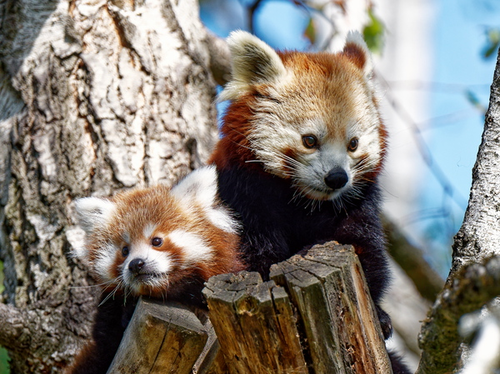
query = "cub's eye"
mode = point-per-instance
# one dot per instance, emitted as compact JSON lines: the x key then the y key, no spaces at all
{"x":310,"y":141}
{"x":156,"y":242}
{"x":353,"y":144}
{"x":125,"y":251}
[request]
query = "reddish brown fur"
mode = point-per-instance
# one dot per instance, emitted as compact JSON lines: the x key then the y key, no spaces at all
{"x":136,"y":209}
{"x":355,"y":54}
{"x":108,"y":231}
{"x":315,"y":72}
{"x":233,"y":147}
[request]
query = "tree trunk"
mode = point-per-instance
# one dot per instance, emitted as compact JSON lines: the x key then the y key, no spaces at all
{"x":95,"y":96}
{"x":474,"y":278}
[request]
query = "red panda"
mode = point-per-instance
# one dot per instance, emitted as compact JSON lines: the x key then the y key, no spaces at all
{"x":158,"y":242}
{"x":302,"y":147}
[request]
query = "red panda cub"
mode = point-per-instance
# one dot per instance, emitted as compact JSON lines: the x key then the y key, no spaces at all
{"x":158,"y":242}
{"x":300,"y":154}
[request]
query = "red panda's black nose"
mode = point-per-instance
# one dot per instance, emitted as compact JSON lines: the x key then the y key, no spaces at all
{"x":336,"y":178}
{"x":136,"y":265}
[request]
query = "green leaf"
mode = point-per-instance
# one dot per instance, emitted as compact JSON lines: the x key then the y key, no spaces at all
{"x":374,"y":33}
{"x":474,"y":101}
{"x":492,"y":42}
{"x":4,"y":361}
{"x":310,"y":31}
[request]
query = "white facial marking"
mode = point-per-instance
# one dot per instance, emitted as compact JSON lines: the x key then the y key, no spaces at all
{"x":105,"y":261}
{"x":149,"y":229}
{"x":126,"y":237}
{"x":194,"y":247}
{"x":159,"y":263}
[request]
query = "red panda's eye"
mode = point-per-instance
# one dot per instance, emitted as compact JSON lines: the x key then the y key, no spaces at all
{"x":125,"y":251}
{"x":353,"y":144}
{"x":310,"y":141}
{"x":156,"y":242}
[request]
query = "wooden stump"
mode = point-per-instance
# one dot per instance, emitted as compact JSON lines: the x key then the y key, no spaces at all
{"x":328,"y":288}
{"x":161,"y":338}
{"x":314,"y":316}
{"x":255,"y":324}
{"x":211,"y":360}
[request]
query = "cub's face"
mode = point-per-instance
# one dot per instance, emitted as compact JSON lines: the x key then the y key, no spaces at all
{"x":140,"y":244}
{"x":150,"y":241}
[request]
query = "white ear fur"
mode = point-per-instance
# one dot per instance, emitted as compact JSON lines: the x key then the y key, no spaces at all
{"x":354,"y":38}
{"x":253,"y":62}
{"x":93,"y":212}
{"x":199,"y":186}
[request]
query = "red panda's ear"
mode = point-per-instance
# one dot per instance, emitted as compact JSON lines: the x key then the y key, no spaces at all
{"x":253,"y":62}
{"x":357,"y":51}
{"x":93,"y":212}
{"x":198,"y":188}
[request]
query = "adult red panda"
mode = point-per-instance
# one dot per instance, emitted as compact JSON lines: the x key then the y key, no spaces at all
{"x":302,"y":147}
{"x":157,"y":242}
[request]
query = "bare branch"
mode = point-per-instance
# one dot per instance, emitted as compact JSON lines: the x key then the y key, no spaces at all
{"x":472,"y":287}
{"x":412,"y":261}
{"x":479,"y":236}
{"x":14,"y":331}
{"x":220,"y":58}
{"x":484,"y":327}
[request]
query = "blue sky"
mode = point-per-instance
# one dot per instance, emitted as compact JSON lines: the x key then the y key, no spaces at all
{"x":279,"y":23}
{"x":459,"y":40}
{"x":456,"y":125}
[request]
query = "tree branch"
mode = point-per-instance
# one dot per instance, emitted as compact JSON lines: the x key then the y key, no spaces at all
{"x":479,"y":236}
{"x":14,"y":331}
{"x":473,"y":286}
{"x":220,"y":58}
{"x":412,"y":261}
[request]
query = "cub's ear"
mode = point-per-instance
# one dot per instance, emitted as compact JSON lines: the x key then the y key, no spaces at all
{"x":357,"y":51}
{"x":197,"y":188}
{"x":93,"y":212}
{"x":200,"y":189}
{"x":253,"y":62}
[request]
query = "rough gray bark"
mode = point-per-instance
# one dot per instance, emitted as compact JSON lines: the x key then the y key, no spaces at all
{"x":479,"y":236}
{"x":470,"y":284}
{"x":95,"y":96}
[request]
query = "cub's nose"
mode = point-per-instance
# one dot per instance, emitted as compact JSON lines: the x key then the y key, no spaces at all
{"x":336,"y":178}
{"x":136,"y":265}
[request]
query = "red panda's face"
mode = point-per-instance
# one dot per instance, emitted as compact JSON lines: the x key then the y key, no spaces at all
{"x":148,"y":241}
{"x":321,"y":130}
{"x":149,"y":249}
{"x":313,"y":118}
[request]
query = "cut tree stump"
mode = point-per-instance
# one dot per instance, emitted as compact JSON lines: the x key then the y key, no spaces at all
{"x":160,"y":338}
{"x":328,"y":288}
{"x":255,"y":324}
